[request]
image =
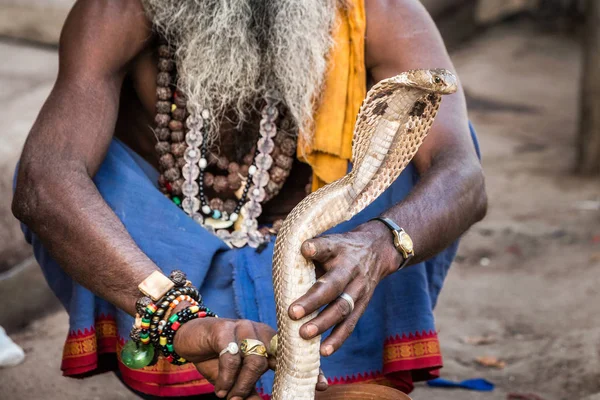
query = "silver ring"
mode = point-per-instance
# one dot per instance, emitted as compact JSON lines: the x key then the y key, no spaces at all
{"x":349,"y":299}
{"x":232,"y":348}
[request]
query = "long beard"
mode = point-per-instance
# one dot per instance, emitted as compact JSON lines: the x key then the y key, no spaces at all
{"x":231,"y":52}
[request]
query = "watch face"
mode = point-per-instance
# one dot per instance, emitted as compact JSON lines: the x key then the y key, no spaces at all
{"x":406,"y":242}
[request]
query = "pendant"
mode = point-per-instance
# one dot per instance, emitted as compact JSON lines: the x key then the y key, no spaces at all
{"x":137,"y":356}
{"x":218,"y":223}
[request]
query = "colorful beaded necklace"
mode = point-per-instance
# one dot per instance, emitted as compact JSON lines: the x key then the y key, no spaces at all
{"x":183,"y":147}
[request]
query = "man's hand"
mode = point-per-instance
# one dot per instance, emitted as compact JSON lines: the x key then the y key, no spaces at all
{"x":354,"y":263}
{"x":200,"y":341}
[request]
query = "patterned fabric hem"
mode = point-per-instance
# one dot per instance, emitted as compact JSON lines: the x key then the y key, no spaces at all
{"x":406,"y":359}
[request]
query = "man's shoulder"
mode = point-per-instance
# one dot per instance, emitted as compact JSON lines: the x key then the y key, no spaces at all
{"x":109,"y":32}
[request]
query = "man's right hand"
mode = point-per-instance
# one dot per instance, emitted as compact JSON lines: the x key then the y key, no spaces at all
{"x":201,"y":340}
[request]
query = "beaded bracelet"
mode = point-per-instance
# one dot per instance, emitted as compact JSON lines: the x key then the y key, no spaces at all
{"x":153,"y":317}
{"x":175,"y":322}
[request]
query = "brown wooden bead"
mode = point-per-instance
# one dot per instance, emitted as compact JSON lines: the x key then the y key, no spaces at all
{"x":164,"y":93}
{"x":230,"y":206}
{"x":162,"y":148}
{"x":234,"y":180}
{"x":162,"y":120}
{"x":278,"y":174}
{"x":179,"y":114}
{"x":180,"y":100}
{"x":176,"y":186}
{"x":177,"y":136}
{"x":209,"y":179}
{"x":244,"y":170}
{"x":165,"y":65}
{"x":212,"y":159}
{"x":216,"y":204}
{"x":180,"y":162}
{"x":249,"y":158}
{"x":288,"y":147}
{"x":163,"y":79}
{"x":233,"y":168}
{"x":284,"y":162}
{"x":172,"y":174}
{"x":178,"y":149}
{"x":272,"y":189}
{"x":166,"y":161}
{"x":163,"y":106}
{"x":161,"y":180}
{"x":164,"y":51}
{"x":221,"y":185}
{"x":222,"y":163}
{"x":175,"y":125}
{"x":163,"y":133}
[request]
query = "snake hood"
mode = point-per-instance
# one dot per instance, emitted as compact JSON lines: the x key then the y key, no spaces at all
{"x":440,"y":81}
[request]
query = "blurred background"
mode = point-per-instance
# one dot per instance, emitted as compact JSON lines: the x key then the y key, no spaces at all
{"x":520,"y":305}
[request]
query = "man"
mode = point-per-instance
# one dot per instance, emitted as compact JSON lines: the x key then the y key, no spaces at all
{"x":88,"y":196}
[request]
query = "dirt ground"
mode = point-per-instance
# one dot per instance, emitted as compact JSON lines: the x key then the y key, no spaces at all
{"x":528,"y":276}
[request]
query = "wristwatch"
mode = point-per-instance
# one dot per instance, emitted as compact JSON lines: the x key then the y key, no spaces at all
{"x":402,"y":241}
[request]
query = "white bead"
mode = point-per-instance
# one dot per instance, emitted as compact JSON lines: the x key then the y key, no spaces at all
{"x":233,"y":217}
{"x":256,"y":192}
{"x":206,"y":209}
{"x":205,"y":114}
{"x":203,"y":163}
{"x":252,"y":170}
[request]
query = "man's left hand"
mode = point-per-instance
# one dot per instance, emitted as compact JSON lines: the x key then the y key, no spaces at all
{"x":352,"y":263}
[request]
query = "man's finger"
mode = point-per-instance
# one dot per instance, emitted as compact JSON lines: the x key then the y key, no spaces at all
{"x":343,"y":330}
{"x":229,"y":364}
{"x":322,"y":383}
{"x":325,"y":290}
{"x":337,"y":311}
{"x":319,"y":249}
{"x":253,"y":366}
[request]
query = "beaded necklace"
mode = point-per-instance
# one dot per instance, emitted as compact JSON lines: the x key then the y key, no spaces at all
{"x":183,"y":147}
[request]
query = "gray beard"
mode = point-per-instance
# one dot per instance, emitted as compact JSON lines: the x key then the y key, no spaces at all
{"x":231,"y":52}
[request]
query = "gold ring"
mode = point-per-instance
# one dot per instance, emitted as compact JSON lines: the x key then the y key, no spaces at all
{"x":253,"y":347}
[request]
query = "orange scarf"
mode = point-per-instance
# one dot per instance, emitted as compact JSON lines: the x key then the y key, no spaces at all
{"x":345,"y":89}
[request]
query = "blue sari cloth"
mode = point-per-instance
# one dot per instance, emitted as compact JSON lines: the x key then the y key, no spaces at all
{"x":237,"y":283}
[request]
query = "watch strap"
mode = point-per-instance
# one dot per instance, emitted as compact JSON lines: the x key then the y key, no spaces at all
{"x":396,"y":229}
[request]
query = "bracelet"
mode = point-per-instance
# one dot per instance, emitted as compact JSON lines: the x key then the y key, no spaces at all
{"x":167,"y":335}
{"x":149,"y":333}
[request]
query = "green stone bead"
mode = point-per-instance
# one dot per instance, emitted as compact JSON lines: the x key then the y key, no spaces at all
{"x":170,"y":347}
{"x":177,"y":200}
{"x":136,"y":357}
{"x":174,"y":318}
{"x":146,"y":320}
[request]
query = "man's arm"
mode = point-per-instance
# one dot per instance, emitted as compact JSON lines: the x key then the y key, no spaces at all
{"x":55,"y":195}
{"x":450,"y":196}
{"x":448,"y":199}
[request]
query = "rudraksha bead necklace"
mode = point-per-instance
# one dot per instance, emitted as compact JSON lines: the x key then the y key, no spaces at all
{"x":183,"y":139}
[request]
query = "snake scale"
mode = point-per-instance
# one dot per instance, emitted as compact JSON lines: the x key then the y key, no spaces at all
{"x":392,"y":123}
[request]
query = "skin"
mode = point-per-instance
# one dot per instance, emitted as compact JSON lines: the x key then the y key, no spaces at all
{"x":105,"y":88}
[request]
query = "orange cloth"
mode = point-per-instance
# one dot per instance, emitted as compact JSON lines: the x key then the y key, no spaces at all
{"x":345,"y":89}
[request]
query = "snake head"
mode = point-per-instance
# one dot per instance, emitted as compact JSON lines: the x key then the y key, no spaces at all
{"x":440,"y":81}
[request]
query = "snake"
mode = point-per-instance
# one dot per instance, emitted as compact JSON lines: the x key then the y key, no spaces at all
{"x":392,"y":123}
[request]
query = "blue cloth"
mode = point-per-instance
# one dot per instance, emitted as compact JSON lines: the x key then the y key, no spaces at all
{"x":238,"y":283}
{"x":478,"y":385}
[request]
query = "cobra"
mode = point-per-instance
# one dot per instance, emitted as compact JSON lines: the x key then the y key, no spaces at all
{"x":392,"y":123}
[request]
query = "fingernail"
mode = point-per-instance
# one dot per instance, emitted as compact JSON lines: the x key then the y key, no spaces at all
{"x":311,"y":330}
{"x":312,"y":250}
{"x":298,"y":311}
{"x":222,"y":393}
{"x":328,"y":350}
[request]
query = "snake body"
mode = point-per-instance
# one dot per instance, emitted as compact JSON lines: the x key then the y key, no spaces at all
{"x":392,"y":123}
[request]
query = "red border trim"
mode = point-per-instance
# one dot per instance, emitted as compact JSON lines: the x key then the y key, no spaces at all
{"x":406,"y":359}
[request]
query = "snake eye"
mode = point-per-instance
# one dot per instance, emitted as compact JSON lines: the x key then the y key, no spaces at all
{"x":437,"y":80}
